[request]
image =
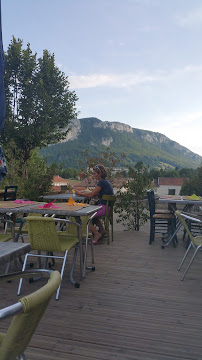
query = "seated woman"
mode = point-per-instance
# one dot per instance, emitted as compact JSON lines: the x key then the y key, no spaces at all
{"x":103,"y":187}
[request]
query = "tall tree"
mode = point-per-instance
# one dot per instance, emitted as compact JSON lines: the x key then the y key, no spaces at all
{"x":2,"y":93}
{"x":39,"y":103}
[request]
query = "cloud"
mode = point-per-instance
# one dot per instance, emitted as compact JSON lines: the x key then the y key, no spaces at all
{"x":184,"y":128}
{"x":108,"y":80}
{"x":129,"y":80}
{"x":191,"y":19}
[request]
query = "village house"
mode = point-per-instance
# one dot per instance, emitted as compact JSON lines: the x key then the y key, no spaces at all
{"x":59,"y":184}
{"x":168,"y":186}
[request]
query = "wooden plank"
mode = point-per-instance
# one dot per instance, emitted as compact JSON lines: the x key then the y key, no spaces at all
{"x":133,"y":306}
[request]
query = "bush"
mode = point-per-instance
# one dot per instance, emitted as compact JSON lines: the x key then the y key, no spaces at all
{"x":36,"y":180}
{"x":131,"y":208}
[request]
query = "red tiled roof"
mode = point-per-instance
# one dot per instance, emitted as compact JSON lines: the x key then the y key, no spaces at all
{"x":170,"y":181}
{"x":58,"y":179}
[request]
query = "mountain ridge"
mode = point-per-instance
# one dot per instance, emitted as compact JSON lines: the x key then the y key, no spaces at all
{"x":152,"y":148}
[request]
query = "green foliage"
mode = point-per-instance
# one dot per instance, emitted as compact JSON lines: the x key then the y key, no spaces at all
{"x":174,"y":173}
{"x":131,"y":208}
{"x":187,"y":173}
{"x":39,"y":104}
{"x":68,"y":173}
{"x":12,"y":155}
{"x":193,"y":185}
{"x":38,"y":178}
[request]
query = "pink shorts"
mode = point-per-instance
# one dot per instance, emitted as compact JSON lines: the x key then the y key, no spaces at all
{"x":102,"y":211}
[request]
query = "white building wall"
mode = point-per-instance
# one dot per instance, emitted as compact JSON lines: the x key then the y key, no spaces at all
{"x":60,"y":183}
{"x":164,"y":189}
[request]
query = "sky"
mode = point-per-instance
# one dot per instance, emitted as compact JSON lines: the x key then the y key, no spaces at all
{"x":137,"y":62}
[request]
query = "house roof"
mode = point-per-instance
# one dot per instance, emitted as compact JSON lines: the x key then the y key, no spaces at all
{"x":170,"y":181}
{"x":58,"y":179}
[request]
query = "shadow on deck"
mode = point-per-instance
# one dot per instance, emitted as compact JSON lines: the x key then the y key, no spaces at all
{"x":133,"y":306}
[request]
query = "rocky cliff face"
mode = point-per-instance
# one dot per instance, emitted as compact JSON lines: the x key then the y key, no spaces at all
{"x":154,"y":137}
{"x":114,"y":126}
{"x":75,"y":128}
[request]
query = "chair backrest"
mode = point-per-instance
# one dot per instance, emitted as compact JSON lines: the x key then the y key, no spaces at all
{"x":10,"y":193}
{"x":183,"y":218}
{"x":151,"y":201}
{"x":24,"y":229}
{"x":43,"y":234}
{"x":110,"y":201}
{"x":23,"y":325}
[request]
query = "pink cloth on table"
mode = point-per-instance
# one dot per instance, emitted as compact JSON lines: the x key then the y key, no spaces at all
{"x":49,"y":206}
{"x":19,"y":201}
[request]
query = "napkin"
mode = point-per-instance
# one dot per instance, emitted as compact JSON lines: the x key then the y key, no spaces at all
{"x":74,"y":203}
{"x":71,"y":201}
{"x":49,"y":206}
{"x":194,"y":197}
{"x":20,"y":201}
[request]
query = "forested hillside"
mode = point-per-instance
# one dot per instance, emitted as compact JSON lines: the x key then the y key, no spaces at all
{"x":153,"y":149}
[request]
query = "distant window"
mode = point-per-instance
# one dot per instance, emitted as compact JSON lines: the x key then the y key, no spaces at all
{"x":171,"y":191}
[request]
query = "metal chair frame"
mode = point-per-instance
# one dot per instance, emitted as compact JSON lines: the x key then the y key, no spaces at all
{"x":86,"y":238}
{"x":195,"y":241}
{"x":73,"y":242}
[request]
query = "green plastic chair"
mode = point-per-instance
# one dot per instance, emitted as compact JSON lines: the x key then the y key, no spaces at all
{"x":23,"y":226}
{"x":108,"y":218}
{"x":70,"y":230}
{"x":43,"y":237}
{"x":10,"y":235}
{"x":195,"y":241}
{"x":28,"y":312}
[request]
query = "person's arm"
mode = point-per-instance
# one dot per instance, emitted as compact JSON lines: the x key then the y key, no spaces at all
{"x":89,"y":194}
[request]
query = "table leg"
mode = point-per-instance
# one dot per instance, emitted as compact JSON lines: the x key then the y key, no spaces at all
{"x":79,"y":229}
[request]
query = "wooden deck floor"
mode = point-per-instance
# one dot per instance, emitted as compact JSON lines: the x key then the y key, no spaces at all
{"x":133,"y":306}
